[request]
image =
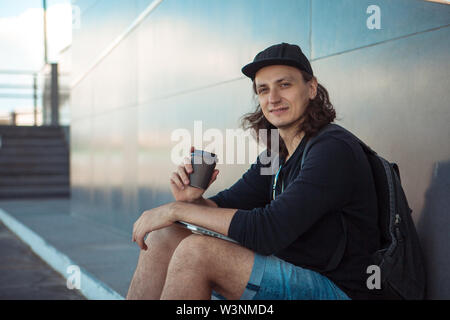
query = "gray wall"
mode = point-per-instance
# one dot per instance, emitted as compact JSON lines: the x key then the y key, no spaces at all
{"x":182,"y":63}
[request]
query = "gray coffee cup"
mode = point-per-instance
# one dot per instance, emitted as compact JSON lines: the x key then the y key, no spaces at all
{"x":203,"y":165}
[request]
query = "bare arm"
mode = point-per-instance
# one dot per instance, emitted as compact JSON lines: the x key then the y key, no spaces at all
{"x":213,"y":218}
{"x":205,"y":202}
{"x":210,"y":217}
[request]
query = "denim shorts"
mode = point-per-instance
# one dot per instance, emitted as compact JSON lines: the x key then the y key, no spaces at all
{"x":276,"y":279}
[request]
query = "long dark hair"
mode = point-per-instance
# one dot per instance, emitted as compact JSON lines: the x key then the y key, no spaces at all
{"x":318,"y":113}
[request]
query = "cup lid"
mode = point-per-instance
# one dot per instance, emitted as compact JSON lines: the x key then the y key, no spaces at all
{"x":208,"y":156}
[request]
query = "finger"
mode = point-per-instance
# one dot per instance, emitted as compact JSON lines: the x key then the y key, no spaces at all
{"x":175,"y":179}
{"x":183,"y":175}
{"x":136,"y":227}
{"x":178,"y":187}
{"x":140,"y":240}
{"x":135,"y":232}
{"x":188,"y":165}
{"x":214,"y":176}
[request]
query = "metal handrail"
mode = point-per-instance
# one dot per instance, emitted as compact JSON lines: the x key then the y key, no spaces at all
{"x":18,"y":72}
{"x":34,"y":96}
{"x":29,"y":72}
{"x":18,"y":96}
{"x":13,"y":86}
{"x":12,"y":116}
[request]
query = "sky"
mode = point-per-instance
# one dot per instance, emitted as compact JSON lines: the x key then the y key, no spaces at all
{"x":22,"y":44}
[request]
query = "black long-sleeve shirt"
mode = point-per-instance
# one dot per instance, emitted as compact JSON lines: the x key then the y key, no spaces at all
{"x":302,"y":225}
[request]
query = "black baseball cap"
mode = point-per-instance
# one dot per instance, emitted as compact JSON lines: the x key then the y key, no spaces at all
{"x":284,"y":54}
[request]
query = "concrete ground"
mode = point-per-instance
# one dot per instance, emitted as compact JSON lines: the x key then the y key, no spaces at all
{"x":24,"y":276}
{"x":106,"y":257}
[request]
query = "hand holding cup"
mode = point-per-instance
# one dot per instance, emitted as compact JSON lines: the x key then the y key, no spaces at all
{"x":194,"y":176}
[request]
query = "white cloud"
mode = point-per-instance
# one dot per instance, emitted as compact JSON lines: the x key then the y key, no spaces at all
{"x":21,"y":40}
{"x":21,"y":37}
{"x":59,"y":24}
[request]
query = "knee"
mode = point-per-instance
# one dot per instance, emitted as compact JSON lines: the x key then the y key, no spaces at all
{"x":166,"y":239}
{"x":192,"y":252}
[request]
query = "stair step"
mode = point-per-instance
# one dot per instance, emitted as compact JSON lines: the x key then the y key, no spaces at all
{"x":29,"y":129}
{"x":37,"y":134}
{"x":34,"y":151}
{"x":6,"y":160}
{"x":34,"y":191}
{"x":32,"y":142}
{"x":34,"y":180}
{"x":34,"y":170}
{"x":34,"y":162}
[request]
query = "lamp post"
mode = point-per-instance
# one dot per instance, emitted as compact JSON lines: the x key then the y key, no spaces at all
{"x":44,"y":5}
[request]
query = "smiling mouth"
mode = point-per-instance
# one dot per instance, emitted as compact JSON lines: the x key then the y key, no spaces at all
{"x":279,"y":110}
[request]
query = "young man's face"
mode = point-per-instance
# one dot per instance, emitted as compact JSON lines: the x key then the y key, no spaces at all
{"x":283,"y":94}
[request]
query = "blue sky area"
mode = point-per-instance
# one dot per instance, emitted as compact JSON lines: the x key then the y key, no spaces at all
{"x":12,"y":8}
{"x":21,"y":44}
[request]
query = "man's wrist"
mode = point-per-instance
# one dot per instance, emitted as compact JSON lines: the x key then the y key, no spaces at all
{"x":199,"y":201}
{"x":174,"y":211}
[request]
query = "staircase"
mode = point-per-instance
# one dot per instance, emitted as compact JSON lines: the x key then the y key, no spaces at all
{"x":34,"y":162}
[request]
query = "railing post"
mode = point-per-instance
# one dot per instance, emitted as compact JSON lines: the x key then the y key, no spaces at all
{"x":13,"y":118}
{"x":35,"y":98}
{"x":54,"y":95}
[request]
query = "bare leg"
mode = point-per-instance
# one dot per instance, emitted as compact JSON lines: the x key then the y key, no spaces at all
{"x":201,"y":264}
{"x":150,"y":275}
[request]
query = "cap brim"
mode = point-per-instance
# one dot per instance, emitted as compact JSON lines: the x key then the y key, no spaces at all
{"x":252,"y":68}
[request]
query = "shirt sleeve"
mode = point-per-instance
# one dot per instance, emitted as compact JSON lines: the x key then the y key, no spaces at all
{"x":324,"y":185}
{"x":252,"y":190}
